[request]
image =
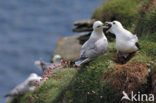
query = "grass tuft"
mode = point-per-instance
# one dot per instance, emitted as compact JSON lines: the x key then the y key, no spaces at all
{"x":121,"y":10}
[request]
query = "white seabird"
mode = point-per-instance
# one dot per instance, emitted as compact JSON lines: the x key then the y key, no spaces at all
{"x":95,"y":45}
{"x":24,"y":87}
{"x":44,"y":66}
{"x":126,"y":42}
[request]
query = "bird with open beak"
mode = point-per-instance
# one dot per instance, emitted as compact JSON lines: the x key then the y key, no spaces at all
{"x":126,"y":42}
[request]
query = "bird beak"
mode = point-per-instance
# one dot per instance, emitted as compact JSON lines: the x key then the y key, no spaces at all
{"x":108,"y":25}
{"x":105,"y":26}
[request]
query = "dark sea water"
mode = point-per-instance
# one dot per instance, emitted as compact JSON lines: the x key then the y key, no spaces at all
{"x":29,"y":29}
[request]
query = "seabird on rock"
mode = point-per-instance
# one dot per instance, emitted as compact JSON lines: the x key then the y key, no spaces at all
{"x":126,"y":42}
{"x":95,"y":45}
{"x":44,"y":66}
{"x":24,"y":87}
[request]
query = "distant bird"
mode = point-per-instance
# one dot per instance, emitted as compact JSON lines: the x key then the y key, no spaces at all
{"x":24,"y":87}
{"x":126,"y":42}
{"x":94,"y":46}
{"x":44,"y":66}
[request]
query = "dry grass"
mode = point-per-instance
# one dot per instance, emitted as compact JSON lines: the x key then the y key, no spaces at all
{"x":128,"y":77}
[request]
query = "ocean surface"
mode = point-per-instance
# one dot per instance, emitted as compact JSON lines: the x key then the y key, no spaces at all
{"x":29,"y":30}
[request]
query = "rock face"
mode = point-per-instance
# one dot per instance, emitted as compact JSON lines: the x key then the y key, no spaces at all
{"x":83,"y":25}
{"x":69,"y":47}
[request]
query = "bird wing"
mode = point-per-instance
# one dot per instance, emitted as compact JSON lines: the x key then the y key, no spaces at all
{"x":83,"y":50}
{"x":88,"y":49}
{"x":134,"y":38}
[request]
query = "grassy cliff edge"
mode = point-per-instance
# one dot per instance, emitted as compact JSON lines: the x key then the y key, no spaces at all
{"x":104,"y":78}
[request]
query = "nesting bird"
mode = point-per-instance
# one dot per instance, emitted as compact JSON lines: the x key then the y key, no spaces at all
{"x":95,"y":45}
{"x":126,"y":42}
{"x":24,"y":87}
{"x":44,"y":66}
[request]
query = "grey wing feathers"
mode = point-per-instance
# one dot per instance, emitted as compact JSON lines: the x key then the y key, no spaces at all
{"x":86,"y":53}
{"x":83,"y":50}
{"x":88,"y":48}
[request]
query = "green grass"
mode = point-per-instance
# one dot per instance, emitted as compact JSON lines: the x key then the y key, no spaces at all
{"x":122,"y":10}
{"x":90,"y":77}
{"x":51,"y":89}
{"x":149,"y":45}
{"x":87,"y":85}
{"x":91,"y":83}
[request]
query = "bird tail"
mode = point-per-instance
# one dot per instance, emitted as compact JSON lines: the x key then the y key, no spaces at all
{"x":137,"y":45}
{"x":81,"y":61}
{"x":135,"y":39}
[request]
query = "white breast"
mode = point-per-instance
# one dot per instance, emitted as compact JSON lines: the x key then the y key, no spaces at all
{"x":102,"y":44}
{"x":125,"y":46}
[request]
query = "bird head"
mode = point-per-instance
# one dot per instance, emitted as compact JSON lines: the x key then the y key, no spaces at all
{"x":57,"y":59}
{"x":98,"y":26}
{"x":113,"y":26}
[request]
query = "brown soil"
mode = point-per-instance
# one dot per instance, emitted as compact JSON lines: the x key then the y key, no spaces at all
{"x":120,"y":59}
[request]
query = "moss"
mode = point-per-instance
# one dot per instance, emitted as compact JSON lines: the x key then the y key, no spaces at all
{"x":87,"y":87}
{"x":102,"y":80}
{"x":122,"y":10}
{"x":98,"y":81}
{"x":103,"y":74}
{"x":148,"y":45}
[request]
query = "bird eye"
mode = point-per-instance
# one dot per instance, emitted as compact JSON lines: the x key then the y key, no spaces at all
{"x":113,"y":22}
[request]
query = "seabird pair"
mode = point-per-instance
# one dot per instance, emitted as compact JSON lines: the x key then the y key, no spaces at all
{"x":97,"y":44}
